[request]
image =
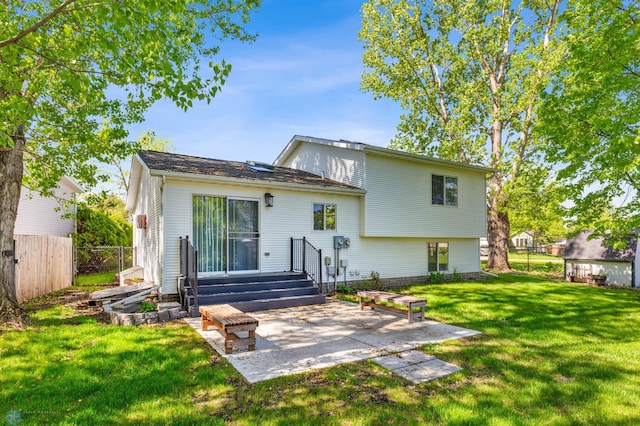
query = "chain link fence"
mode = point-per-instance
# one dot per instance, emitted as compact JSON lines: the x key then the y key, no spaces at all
{"x":93,"y":260}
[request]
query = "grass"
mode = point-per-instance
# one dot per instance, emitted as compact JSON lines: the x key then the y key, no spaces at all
{"x":551,"y":353}
{"x":537,"y":263}
{"x":99,"y":278}
{"x":534,"y":257}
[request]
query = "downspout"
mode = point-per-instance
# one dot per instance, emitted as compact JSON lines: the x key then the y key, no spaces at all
{"x":161,"y":233}
{"x":74,"y":240}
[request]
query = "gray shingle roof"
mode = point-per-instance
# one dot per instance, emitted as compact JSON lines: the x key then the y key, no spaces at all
{"x":179,"y":163}
{"x":580,"y":247}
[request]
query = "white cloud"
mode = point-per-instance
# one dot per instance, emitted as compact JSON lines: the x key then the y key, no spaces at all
{"x":299,"y":82}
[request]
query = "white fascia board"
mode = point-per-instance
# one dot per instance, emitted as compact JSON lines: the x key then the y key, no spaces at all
{"x":75,"y":187}
{"x":223,"y":180}
{"x":137,"y":166}
{"x":297,"y":139}
{"x":386,"y":152}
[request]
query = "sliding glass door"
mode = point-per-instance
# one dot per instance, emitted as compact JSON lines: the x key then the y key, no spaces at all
{"x":226,"y":234}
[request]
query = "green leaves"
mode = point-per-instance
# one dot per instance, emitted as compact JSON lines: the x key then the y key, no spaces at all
{"x":75,"y":73}
{"x":468,"y":75}
{"x":591,"y":118}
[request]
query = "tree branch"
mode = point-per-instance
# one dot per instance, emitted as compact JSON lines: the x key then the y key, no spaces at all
{"x":55,"y":12}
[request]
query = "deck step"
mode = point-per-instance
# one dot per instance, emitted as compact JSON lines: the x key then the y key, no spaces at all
{"x":232,"y":297}
{"x":254,"y":292}
{"x":248,"y":278}
{"x":205,"y":288}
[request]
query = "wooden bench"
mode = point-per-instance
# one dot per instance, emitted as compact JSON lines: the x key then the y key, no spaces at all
{"x":230,"y":321}
{"x":375,"y":297}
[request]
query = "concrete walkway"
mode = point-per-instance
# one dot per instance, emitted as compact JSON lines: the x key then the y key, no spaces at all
{"x":299,"y":339}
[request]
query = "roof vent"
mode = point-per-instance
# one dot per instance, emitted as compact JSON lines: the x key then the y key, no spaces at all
{"x":259,"y":167}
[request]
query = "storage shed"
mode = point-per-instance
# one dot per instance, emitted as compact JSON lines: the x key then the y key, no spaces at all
{"x":584,"y":256}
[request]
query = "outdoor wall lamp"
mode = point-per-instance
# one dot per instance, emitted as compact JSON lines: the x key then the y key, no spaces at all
{"x":268,"y":199}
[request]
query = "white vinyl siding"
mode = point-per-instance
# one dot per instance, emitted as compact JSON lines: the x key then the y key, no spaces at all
{"x":405,"y":257}
{"x":398,"y":201}
{"x":148,"y":242}
{"x":339,"y":164}
{"x":292,"y":216}
{"x":38,"y":215}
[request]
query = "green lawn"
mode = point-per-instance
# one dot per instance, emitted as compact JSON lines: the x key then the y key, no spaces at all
{"x":534,"y":257}
{"x":536,"y":263}
{"x":551,"y":353}
{"x":98,"y":278}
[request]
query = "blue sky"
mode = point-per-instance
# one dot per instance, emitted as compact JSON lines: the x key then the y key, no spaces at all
{"x":301,"y":76}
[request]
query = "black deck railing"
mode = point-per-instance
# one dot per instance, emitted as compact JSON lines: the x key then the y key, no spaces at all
{"x":308,"y":259}
{"x":189,"y":266}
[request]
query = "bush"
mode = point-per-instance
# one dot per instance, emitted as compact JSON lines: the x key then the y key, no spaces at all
{"x":436,"y":277}
{"x":96,"y":228}
{"x":147,"y":307}
{"x":345,"y":289}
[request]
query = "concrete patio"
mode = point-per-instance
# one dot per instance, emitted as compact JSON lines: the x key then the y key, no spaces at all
{"x":295,"y":340}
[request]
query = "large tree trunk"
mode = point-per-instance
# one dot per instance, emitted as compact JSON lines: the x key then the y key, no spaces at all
{"x":498,"y":228}
{"x":11,"y":167}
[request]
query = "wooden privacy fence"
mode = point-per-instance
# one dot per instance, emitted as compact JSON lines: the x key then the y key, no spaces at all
{"x":45,"y":264}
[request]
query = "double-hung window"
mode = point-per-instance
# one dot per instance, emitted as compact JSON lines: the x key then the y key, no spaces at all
{"x":444,"y":190}
{"x":438,"y":257}
{"x":324,"y":217}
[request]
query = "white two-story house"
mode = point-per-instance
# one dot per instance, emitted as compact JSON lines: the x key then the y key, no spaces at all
{"x":369,"y":209}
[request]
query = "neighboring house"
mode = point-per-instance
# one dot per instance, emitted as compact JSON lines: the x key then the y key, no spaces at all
{"x":43,"y":243}
{"x":557,"y":248}
{"x":522,"y":240}
{"x":583,"y":256}
{"x":405,"y":215}
{"x":38,"y":215}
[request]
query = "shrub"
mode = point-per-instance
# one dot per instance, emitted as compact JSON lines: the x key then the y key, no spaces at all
{"x":345,"y":289}
{"x":147,"y":307}
{"x":375,"y":277}
{"x":96,"y":228}
{"x":436,"y":277}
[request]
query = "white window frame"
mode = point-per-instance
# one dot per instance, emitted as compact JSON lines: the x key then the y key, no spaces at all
{"x":324,"y":216}
{"x":444,"y":190}
{"x":438,"y":246}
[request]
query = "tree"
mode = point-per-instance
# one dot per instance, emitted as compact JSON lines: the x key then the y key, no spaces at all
{"x":98,"y":228}
{"x":119,"y":168}
{"x":73,"y":73}
{"x":108,"y":203}
{"x":469,"y":76}
{"x":591,"y":118}
{"x":536,"y":205}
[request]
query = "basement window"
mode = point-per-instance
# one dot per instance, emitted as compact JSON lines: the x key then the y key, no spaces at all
{"x":438,"y":257}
